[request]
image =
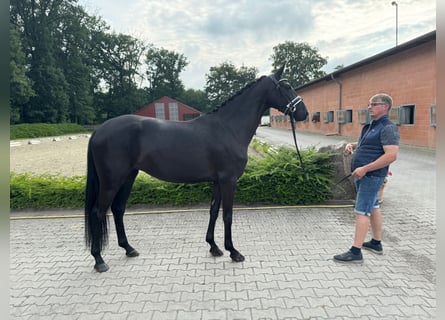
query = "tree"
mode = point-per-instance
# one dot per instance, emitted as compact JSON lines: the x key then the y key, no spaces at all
{"x":303,"y":63}
{"x":163,"y":69}
{"x":196,"y":99}
{"x":225,"y":80}
{"x":20,"y":85}
{"x":76,"y":61}
{"x":119,"y":59}
{"x":57,"y":44}
{"x":39,"y":21}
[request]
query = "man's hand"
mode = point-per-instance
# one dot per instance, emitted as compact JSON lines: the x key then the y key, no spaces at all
{"x":350,"y":147}
{"x":359,"y":172}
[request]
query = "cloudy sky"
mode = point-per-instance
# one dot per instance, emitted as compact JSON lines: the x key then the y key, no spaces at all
{"x":243,"y":32}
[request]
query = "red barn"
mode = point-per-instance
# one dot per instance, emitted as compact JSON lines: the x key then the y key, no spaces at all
{"x":168,"y":109}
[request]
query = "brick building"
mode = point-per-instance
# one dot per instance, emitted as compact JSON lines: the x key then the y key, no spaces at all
{"x":168,"y":109}
{"x":337,"y":103}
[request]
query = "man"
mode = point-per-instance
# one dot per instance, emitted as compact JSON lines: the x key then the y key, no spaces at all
{"x":375,"y":150}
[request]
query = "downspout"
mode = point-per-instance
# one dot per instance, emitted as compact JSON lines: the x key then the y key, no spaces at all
{"x":340,"y":90}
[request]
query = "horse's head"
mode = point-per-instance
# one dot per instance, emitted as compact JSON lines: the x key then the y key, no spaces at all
{"x":285,"y":99}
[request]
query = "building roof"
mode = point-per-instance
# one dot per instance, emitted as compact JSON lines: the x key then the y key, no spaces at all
{"x":430,"y":36}
{"x":166,"y":99}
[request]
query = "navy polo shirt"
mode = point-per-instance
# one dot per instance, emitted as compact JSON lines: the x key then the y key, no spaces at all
{"x":373,"y":137}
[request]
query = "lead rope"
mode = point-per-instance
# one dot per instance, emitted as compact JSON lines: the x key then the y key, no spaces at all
{"x":292,"y":122}
{"x":303,"y":168}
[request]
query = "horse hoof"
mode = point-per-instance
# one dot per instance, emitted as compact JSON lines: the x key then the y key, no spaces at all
{"x":216,"y":252}
{"x":238,"y":257}
{"x":133,"y":253}
{"x":101,"y":267}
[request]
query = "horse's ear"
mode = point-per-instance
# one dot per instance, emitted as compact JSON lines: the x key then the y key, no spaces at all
{"x":279,"y":72}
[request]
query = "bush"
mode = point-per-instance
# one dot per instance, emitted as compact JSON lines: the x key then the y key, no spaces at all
{"x":36,"y":130}
{"x":45,"y":191}
{"x":279,"y":178}
{"x":276,"y":178}
{"x":148,"y":190}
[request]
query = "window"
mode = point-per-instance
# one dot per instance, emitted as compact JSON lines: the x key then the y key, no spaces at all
{"x":403,"y":115}
{"x":315,"y":117}
{"x":348,"y":116}
{"x":328,"y":116}
{"x":433,"y":115}
{"x":281,"y":118}
{"x":159,"y":110}
{"x":363,"y":116}
{"x":173,"y":111}
{"x":344,"y":116}
{"x":406,"y":114}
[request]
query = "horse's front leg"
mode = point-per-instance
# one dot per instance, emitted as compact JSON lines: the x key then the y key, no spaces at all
{"x":214,"y":209}
{"x":228,"y":192}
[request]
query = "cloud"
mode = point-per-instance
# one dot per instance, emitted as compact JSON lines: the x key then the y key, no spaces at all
{"x":245,"y":31}
{"x":260,"y":20}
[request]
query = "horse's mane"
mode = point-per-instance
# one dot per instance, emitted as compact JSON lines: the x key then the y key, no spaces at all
{"x":247,"y":86}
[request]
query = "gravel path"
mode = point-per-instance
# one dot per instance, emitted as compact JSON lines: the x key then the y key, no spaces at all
{"x":65,"y":155}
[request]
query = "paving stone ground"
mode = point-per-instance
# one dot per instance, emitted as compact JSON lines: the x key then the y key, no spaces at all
{"x":288,"y":272}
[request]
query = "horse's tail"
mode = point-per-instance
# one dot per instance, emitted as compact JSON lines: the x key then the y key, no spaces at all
{"x":96,"y":228}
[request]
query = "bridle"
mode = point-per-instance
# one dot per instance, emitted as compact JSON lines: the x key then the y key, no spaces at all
{"x":291,"y":107}
{"x":289,"y":110}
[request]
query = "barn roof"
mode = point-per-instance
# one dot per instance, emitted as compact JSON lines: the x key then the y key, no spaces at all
{"x":166,"y":99}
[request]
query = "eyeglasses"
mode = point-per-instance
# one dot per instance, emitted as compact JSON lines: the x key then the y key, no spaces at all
{"x":373,"y":104}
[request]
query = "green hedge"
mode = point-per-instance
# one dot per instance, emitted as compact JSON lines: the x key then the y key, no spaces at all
{"x":37,"y":130}
{"x":274,"y":178}
{"x":279,"y":179}
{"x":45,"y":191}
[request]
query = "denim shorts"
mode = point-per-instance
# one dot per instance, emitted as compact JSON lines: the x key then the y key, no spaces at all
{"x":367,"y":194}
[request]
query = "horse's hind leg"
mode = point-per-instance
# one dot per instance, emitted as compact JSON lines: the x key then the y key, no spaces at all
{"x":118,"y":209}
{"x":99,"y":224}
{"x":214,"y":208}
{"x":98,"y":220}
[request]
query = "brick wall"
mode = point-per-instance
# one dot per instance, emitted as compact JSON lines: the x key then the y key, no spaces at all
{"x":408,"y":76}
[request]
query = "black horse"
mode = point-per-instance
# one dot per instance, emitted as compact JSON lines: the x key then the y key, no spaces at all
{"x":211,"y":148}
